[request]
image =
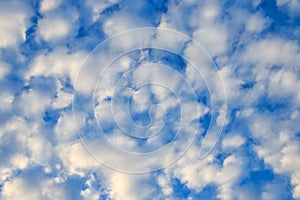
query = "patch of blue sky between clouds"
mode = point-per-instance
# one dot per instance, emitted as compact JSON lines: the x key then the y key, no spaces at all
{"x":256,"y":47}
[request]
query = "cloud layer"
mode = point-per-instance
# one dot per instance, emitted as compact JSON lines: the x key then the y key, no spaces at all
{"x":75,"y":121}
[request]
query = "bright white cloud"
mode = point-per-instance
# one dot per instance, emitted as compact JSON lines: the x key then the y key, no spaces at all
{"x":19,"y":161}
{"x":14,"y":21}
{"x":19,"y":188}
{"x":273,"y":51}
{"x":49,"y":5}
{"x":76,"y":158}
{"x":127,"y":186}
{"x":233,"y":141}
{"x":58,"y":63}
{"x":53,"y":28}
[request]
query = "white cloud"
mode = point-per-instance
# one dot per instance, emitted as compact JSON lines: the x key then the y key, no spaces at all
{"x":122,"y":22}
{"x":65,"y":128}
{"x":14,"y":126}
{"x":35,"y":187}
{"x":283,"y":83}
{"x":209,"y":12}
{"x":14,"y":21}
{"x":40,"y":149}
{"x":58,"y":151}
{"x":49,"y":5}
{"x":271,"y":132}
{"x":199,"y":173}
{"x":76,"y":158}
{"x":6,"y":99}
{"x":277,"y":148}
{"x":92,"y":191}
{"x":5,"y":173}
{"x":32,"y":104}
{"x":47,"y":31}
{"x":19,"y":188}
{"x":62,"y":100}
{"x":256,"y":23}
{"x":131,"y":186}
{"x":209,"y":31}
{"x":57,"y":64}
{"x":233,"y":168}
{"x":164,"y":183}
{"x":233,"y":141}
{"x":213,"y":38}
{"x":273,"y":51}
{"x":231,"y":83}
{"x":19,"y":161}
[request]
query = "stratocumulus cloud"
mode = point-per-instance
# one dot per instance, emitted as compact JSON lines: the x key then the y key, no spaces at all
{"x":121,"y":99}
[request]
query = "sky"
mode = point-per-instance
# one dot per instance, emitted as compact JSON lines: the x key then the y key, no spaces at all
{"x":149,"y":99}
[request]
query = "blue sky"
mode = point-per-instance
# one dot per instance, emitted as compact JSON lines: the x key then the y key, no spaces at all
{"x":150,"y":99}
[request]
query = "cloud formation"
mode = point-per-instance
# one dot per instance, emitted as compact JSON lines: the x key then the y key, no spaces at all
{"x":87,"y":93}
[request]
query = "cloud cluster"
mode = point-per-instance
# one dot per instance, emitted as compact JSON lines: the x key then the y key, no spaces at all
{"x":149,"y":100}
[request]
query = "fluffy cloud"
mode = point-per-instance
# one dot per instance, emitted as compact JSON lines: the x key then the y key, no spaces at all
{"x":58,"y":63}
{"x":273,"y":51}
{"x":53,"y":148}
{"x":49,"y":5}
{"x":48,"y":33}
{"x":14,"y":21}
{"x":256,"y":23}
